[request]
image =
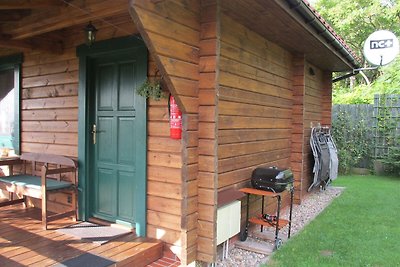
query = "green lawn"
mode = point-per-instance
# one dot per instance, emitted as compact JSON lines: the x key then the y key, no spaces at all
{"x":359,"y":228}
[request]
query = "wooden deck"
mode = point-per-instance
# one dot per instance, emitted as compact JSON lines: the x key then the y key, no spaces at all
{"x":23,"y":242}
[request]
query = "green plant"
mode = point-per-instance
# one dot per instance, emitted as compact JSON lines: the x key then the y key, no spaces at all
{"x":386,"y":125}
{"x":354,"y":141}
{"x":151,"y":89}
{"x":392,"y":161}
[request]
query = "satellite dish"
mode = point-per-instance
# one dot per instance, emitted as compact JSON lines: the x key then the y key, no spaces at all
{"x":381,"y":48}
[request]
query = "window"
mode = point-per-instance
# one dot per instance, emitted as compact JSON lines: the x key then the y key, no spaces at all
{"x":10,"y":104}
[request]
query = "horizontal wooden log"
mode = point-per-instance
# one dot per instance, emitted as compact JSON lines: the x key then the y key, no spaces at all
{"x":50,"y":91}
{"x":206,"y":229}
{"x":191,"y":188}
{"x":51,"y":79}
{"x":207,"y":163}
{"x":207,"y":130}
{"x":230,"y":164}
{"x":241,"y":96}
{"x":171,"y":237}
{"x":51,"y":68}
{"x":208,"y":47}
{"x":65,"y":150}
{"x":208,"y":64}
{"x":164,"y":159}
{"x":206,"y":179}
{"x":206,"y":245}
{"x":230,"y":136}
{"x":207,"y":97}
{"x":235,"y":122}
{"x":267,"y":63}
{"x":207,"y":196}
{"x":241,"y":175}
{"x":243,"y":109}
{"x":166,"y":205}
{"x":245,"y":70}
{"x":163,"y":144}
{"x":173,"y":191}
{"x":164,"y":174}
{"x":165,"y":220}
{"x":156,"y":128}
{"x":207,"y":212}
{"x":50,"y":138}
{"x":234,"y":81}
{"x":207,"y":147}
{"x":50,"y":126}
{"x":208,"y":30}
{"x":208,"y":80}
{"x":63,"y":114}
{"x":237,"y":34}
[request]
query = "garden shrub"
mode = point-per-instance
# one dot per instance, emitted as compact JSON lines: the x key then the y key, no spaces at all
{"x":353,"y":140}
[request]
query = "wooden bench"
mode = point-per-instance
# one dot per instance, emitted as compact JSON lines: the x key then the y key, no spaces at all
{"x":40,"y":183}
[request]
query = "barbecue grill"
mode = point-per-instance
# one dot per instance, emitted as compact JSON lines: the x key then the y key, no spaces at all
{"x":272,"y":179}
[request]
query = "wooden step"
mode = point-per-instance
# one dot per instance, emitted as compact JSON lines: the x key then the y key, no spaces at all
{"x":149,"y":251}
{"x":258,"y":247}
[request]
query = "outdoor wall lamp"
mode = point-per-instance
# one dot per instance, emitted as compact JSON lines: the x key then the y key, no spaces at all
{"x":90,"y":32}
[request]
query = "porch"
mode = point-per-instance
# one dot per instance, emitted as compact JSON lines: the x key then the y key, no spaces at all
{"x":23,"y":242}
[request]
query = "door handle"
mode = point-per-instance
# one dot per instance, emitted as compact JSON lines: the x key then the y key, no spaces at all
{"x":94,"y":131}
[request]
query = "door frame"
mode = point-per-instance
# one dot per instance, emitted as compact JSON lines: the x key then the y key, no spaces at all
{"x":86,"y":54}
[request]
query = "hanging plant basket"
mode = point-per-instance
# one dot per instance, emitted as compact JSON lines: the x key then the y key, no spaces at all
{"x":151,"y":89}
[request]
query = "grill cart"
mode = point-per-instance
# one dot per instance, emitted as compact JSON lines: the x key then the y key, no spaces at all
{"x":270,"y":183}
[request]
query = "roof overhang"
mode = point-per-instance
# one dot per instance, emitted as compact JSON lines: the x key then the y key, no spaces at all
{"x":297,"y":27}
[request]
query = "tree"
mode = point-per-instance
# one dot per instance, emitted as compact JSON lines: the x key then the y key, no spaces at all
{"x":355,"y":20}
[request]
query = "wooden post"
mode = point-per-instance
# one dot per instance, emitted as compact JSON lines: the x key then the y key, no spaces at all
{"x":44,"y":196}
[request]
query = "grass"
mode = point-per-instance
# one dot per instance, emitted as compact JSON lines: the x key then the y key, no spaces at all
{"x":359,"y":228}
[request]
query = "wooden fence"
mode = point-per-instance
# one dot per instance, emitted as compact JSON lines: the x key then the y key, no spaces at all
{"x":382,"y":119}
{"x":386,"y":119}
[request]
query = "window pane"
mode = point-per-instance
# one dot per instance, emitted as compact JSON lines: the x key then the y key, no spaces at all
{"x":7,"y":106}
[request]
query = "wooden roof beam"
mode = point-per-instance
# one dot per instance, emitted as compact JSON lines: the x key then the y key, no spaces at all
{"x":28,"y":4}
{"x":52,"y":47}
{"x":12,"y":16}
{"x":67,"y":17}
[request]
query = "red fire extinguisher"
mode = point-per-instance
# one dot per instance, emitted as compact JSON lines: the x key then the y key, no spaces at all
{"x":175,"y":119}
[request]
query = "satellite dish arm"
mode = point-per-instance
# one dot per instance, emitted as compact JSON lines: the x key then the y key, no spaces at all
{"x":365,"y":78}
{"x":355,"y":72}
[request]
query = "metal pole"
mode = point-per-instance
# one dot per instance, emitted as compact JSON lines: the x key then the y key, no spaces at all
{"x":291,"y":208}
{"x":278,"y":213}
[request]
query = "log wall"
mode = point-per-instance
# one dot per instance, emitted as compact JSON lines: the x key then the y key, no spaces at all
{"x":50,"y":125}
{"x":317,"y":111}
{"x":254,"y":108}
{"x":255,"y":104}
{"x":298,"y":127}
{"x":208,"y":101}
{"x":246,"y":102}
{"x":171,"y":31}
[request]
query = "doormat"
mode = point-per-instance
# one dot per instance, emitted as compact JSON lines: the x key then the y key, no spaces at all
{"x":94,"y":232}
{"x":86,"y":260}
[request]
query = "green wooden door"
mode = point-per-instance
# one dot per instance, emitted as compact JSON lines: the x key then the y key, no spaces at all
{"x":118,"y":146}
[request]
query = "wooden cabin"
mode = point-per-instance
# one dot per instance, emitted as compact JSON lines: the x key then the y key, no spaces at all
{"x":249,"y":76}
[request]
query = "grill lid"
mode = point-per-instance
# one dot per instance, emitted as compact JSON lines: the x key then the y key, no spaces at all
{"x":272,"y":173}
